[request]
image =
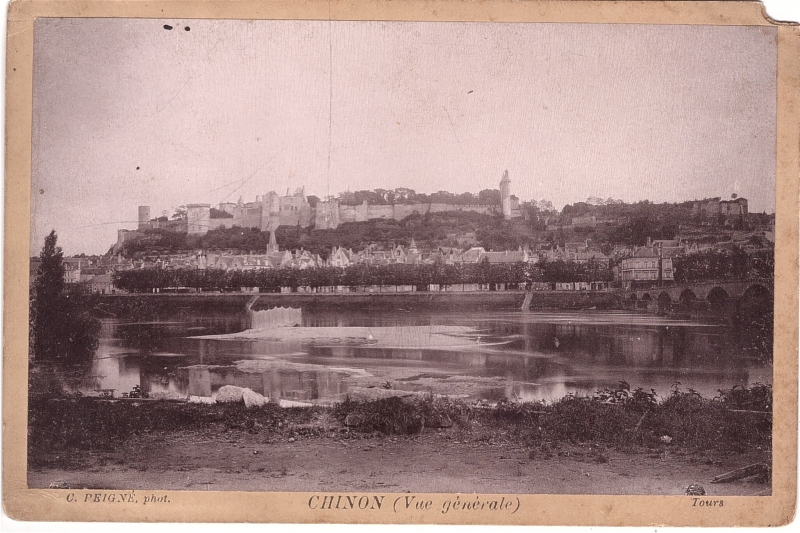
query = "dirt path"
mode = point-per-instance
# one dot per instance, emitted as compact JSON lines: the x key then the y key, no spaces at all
{"x":433,"y":462}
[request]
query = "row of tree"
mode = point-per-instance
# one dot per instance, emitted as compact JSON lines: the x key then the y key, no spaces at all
{"x":355,"y":275}
{"x":404,"y":195}
{"x":734,"y":264}
{"x":144,"y":280}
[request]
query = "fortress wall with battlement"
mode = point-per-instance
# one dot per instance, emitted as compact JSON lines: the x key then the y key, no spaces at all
{"x":258,"y":217}
{"x":244,"y":217}
{"x":326,"y":215}
{"x":483,"y":209}
{"x":296,"y":211}
{"x":295,"y":215}
{"x":251,"y":217}
{"x":354,"y":213}
{"x":329,"y":215}
{"x":363,"y":212}
{"x":216,"y":223}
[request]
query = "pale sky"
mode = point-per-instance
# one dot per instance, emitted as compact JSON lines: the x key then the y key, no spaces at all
{"x":127,"y":113}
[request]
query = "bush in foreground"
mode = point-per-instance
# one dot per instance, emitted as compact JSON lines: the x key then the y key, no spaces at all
{"x":396,"y":415}
{"x":618,"y":417}
{"x":625,"y":417}
{"x":614,"y":418}
{"x":85,"y":423}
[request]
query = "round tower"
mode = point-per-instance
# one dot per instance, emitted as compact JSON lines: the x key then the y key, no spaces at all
{"x":144,"y":216}
{"x":505,"y":195}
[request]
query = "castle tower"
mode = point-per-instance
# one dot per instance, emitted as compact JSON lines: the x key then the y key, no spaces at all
{"x":505,"y":195}
{"x":144,"y":216}
{"x":272,"y":208}
{"x":326,"y":215}
{"x":198,"y":218}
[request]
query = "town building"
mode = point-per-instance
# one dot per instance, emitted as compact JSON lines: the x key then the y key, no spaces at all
{"x":519,"y":256}
{"x":647,"y":264}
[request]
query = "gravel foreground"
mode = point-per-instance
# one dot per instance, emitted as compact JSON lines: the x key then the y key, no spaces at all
{"x":176,"y":446}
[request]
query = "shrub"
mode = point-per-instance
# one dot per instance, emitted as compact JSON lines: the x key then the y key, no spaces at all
{"x":402,"y":415}
{"x":757,"y":398}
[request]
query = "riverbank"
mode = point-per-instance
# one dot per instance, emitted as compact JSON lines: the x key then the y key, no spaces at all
{"x":147,"y":304}
{"x":600,"y":445}
{"x":135,"y":304}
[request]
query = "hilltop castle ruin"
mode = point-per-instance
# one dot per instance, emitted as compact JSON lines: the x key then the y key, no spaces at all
{"x":271,"y":210}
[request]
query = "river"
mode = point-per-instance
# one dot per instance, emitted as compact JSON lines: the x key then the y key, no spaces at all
{"x":519,"y":355}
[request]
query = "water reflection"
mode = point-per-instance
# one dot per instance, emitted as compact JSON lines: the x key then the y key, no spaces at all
{"x":274,"y":383}
{"x":528,"y":356}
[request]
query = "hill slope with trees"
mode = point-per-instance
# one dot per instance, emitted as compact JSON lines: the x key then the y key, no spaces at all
{"x":617,"y":223}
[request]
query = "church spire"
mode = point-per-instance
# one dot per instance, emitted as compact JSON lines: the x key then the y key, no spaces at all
{"x":273,"y":243}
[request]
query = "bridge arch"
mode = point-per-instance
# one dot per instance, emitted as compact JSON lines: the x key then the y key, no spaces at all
{"x":717,"y":297}
{"x":687,"y":297}
{"x":633,"y":297}
{"x":757,"y":290}
{"x":755,"y":305}
{"x":646,"y":297}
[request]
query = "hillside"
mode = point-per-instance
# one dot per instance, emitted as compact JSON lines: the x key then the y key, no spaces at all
{"x":612,"y":223}
{"x":452,"y":229}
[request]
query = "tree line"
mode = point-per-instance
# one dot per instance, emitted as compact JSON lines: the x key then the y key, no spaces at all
{"x":485,"y":273}
{"x":734,"y":264}
{"x":404,"y":195}
{"x":145,"y":279}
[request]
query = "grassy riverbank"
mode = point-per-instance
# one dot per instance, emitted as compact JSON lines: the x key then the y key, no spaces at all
{"x":75,"y":438}
{"x":614,"y":418}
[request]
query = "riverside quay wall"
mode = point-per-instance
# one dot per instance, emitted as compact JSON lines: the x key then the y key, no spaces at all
{"x":118,"y":305}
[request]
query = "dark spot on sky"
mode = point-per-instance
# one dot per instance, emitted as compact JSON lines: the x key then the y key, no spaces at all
{"x":137,"y":168}
{"x":187,"y":28}
{"x":167,"y":27}
{"x":469,"y":92}
{"x":41,"y":191}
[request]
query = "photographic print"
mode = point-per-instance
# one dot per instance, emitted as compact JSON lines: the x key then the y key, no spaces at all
{"x":360,"y":259}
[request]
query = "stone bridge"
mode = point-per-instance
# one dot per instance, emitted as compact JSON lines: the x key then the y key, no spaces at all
{"x":722,"y":296}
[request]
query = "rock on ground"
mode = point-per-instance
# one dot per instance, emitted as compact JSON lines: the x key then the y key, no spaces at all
{"x":201,"y":399}
{"x":233,"y":394}
{"x":292,"y":403}
{"x":230,"y":393}
{"x":167,"y":395}
{"x":253,"y":399}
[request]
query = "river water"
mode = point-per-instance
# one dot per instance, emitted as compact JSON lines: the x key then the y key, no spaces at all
{"x":519,"y":355}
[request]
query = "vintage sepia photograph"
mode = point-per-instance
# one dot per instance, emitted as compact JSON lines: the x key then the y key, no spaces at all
{"x":353,"y":258}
